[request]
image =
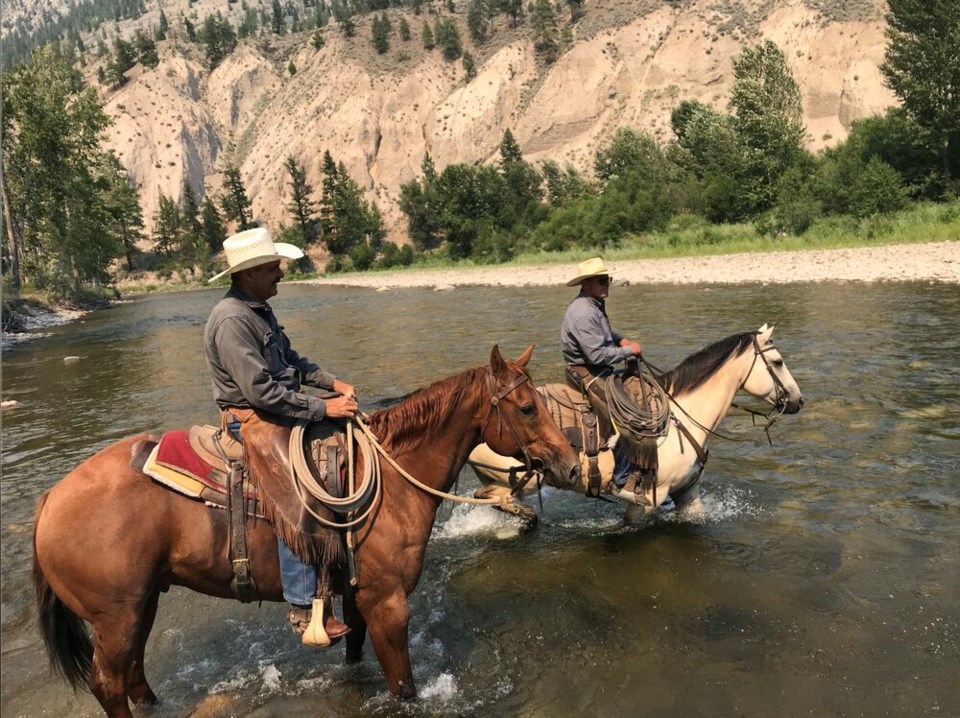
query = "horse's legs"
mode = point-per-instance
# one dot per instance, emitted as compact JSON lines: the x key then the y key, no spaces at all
{"x":140,"y":692}
{"x":113,"y":655}
{"x":358,"y":628}
{"x":388,"y":619}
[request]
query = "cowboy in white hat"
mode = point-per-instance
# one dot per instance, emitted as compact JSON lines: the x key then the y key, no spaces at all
{"x":254,"y":368}
{"x":591,"y":348}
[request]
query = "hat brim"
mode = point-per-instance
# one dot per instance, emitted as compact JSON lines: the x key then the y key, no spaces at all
{"x":284,"y":251}
{"x":576,"y":280}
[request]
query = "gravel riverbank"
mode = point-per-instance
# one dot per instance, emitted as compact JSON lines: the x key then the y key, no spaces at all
{"x":935,"y":261}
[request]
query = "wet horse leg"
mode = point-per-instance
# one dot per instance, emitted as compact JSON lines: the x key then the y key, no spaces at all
{"x":115,"y":649}
{"x":140,"y":692}
{"x":358,"y":628}
{"x":388,"y":619}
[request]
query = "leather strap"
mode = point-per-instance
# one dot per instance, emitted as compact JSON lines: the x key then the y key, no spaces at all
{"x":243,"y":585}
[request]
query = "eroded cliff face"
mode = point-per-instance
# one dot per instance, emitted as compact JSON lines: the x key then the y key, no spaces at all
{"x":379,"y":115}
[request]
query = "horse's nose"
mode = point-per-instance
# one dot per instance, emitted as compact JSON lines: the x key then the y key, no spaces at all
{"x":574,"y":477}
{"x":800,"y":401}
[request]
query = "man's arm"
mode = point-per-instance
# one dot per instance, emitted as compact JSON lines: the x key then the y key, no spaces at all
{"x":594,"y":344}
{"x":240,"y":355}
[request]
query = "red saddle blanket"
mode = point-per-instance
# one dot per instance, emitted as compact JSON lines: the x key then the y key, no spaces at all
{"x":175,"y":454}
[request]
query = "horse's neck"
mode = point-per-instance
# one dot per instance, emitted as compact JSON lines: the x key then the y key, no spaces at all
{"x":437,"y":461}
{"x":702,"y":409}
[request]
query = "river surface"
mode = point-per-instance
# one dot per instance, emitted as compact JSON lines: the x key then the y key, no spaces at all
{"x":823,"y":580}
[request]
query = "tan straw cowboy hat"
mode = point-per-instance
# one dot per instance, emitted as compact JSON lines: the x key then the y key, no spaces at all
{"x":252,"y":248}
{"x":593,"y":267}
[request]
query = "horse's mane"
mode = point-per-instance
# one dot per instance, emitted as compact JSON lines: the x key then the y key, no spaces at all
{"x":697,"y":368}
{"x":420,"y":414}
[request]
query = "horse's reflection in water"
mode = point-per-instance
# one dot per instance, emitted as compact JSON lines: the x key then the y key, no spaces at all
{"x":108,"y":540}
{"x":702,"y":389}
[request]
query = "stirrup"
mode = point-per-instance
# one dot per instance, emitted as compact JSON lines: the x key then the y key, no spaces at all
{"x":315,"y":633}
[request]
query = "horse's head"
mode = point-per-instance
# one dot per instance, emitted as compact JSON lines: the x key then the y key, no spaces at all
{"x":518,"y":423}
{"x":768,"y":377}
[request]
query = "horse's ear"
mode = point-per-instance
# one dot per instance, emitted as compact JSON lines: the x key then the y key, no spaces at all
{"x":524,"y":358}
{"x":496,"y":360}
{"x":766,"y":331}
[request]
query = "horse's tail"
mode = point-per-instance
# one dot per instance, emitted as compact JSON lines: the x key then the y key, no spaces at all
{"x":64,"y":633}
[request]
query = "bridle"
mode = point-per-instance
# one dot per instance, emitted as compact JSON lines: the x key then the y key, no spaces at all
{"x":780,"y":404}
{"x":496,"y":405}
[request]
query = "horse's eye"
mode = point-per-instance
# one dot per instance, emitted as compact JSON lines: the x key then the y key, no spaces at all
{"x":778,"y":363}
{"x":529,"y":409}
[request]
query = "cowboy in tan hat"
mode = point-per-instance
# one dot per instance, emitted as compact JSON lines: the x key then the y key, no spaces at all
{"x":254,"y":367}
{"x":591,"y":349}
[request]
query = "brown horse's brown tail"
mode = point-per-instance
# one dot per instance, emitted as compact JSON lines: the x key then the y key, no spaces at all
{"x":64,"y":633}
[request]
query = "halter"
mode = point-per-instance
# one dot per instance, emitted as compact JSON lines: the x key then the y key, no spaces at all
{"x":780,"y":404}
{"x":495,"y":405}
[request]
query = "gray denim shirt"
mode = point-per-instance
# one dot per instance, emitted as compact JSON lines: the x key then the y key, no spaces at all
{"x":586,"y":337}
{"x":252,"y":363}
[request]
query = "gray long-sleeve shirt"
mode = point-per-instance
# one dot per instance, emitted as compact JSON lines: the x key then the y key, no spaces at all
{"x":252,"y":363}
{"x":586,"y":337}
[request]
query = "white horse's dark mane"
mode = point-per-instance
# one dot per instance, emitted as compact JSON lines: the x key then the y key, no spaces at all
{"x":697,"y":368}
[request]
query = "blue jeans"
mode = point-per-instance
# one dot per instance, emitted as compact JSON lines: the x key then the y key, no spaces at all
{"x":299,"y":579}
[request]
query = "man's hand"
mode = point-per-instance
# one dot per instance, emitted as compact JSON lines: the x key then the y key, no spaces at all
{"x":342,"y":407}
{"x":341,"y":387}
{"x":632,"y":346}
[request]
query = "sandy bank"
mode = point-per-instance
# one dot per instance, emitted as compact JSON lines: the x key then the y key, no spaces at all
{"x":936,"y":262}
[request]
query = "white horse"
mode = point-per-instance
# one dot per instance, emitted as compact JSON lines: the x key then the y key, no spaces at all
{"x":701,"y":389}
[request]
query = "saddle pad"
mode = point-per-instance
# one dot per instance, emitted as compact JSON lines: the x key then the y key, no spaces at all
{"x":175,"y":454}
{"x":171,"y":478}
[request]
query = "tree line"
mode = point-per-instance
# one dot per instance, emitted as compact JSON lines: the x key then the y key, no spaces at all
{"x":69,"y":210}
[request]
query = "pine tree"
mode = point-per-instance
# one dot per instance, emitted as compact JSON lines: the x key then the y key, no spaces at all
{"x":301,"y":206}
{"x":234,"y":201}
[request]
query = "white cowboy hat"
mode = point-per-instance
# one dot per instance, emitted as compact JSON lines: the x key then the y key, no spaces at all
{"x":252,"y":248}
{"x":593,"y":267}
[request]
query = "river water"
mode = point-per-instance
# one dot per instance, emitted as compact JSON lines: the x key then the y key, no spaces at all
{"x":823,"y":579}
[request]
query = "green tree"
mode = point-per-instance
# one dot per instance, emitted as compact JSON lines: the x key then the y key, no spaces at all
{"x":59,"y":209}
{"x":234,"y":201}
{"x":167,"y":228}
{"x":545,"y":30}
{"x":513,"y":8}
{"x":124,"y":58}
{"x":381,"y":33}
{"x":347,"y":220}
{"x":162,"y":27}
{"x":146,"y":49}
{"x":426,"y":37}
{"x":211,"y":226}
{"x":404,"y":30}
{"x":562,"y":185}
{"x":768,"y":120}
{"x":218,"y":38}
{"x":276,"y":23}
{"x":193,"y":247}
{"x":469,"y":66}
{"x":478,"y":20}
{"x":419,"y":202}
{"x":922,"y":67}
{"x":301,"y":207}
{"x":448,"y":38}
{"x":629,"y":152}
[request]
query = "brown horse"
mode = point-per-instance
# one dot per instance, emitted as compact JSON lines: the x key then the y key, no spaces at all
{"x":108,"y":540}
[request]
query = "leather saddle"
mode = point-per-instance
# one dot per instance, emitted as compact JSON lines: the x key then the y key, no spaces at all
{"x":578,"y":422}
{"x":197,"y":462}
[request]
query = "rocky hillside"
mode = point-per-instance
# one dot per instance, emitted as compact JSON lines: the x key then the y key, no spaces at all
{"x":630,"y":63}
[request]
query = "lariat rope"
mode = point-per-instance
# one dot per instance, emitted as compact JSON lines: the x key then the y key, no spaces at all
{"x":371,"y":483}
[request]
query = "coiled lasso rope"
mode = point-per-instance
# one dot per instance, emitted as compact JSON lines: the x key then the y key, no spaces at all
{"x":637,"y":421}
{"x":371,"y":483}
